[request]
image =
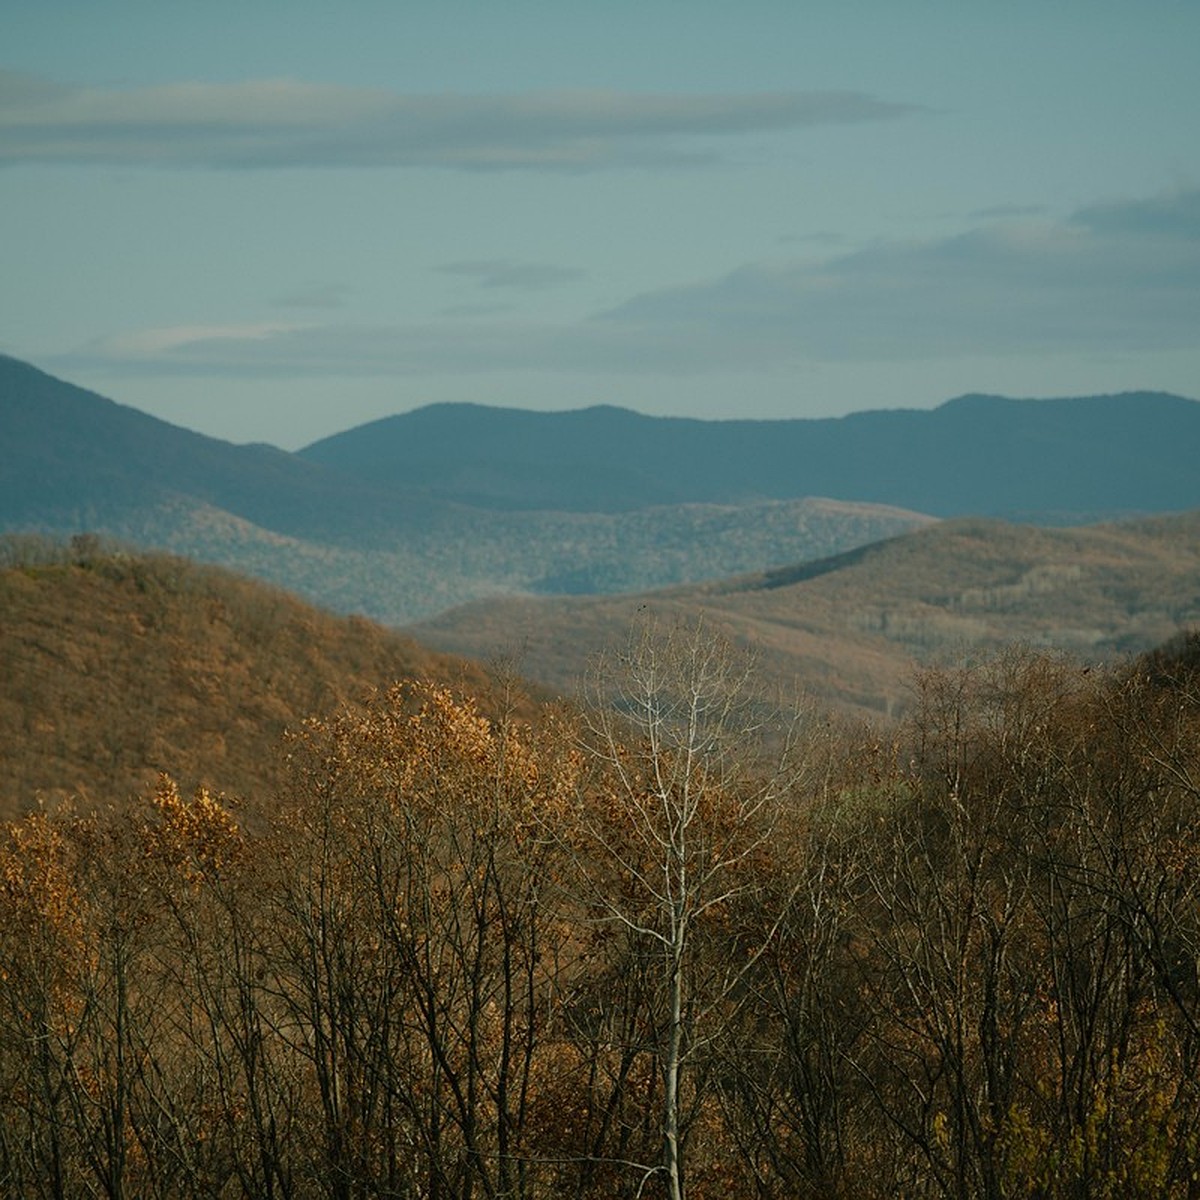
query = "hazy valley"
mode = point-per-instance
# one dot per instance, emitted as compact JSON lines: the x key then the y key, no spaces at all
{"x":542,"y":539}
{"x":403,"y":519}
{"x":849,"y":629}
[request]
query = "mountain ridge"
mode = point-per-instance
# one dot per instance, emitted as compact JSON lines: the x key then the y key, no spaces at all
{"x":630,"y":504}
{"x":1069,"y":458}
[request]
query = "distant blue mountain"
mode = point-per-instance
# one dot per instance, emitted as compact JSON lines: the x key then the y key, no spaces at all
{"x":1050,"y":461}
{"x":71,"y":457}
{"x":416,"y":513}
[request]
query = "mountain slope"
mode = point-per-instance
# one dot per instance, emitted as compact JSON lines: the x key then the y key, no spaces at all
{"x":986,"y":455}
{"x":71,"y":460}
{"x":116,"y":667}
{"x":850,"y":628}
{"x":408,"y":517}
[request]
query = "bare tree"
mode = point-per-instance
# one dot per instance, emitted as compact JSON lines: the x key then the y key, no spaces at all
{"x":693,"y":772}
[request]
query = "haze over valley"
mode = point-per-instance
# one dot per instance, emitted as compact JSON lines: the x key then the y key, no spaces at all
{"x":844,"y":550}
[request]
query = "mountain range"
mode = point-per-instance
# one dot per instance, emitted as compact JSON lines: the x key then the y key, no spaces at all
{"x":408,"y":517}
{"x":1064,"y":460}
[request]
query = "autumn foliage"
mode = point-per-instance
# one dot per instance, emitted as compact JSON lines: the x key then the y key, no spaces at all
{"x":683,"y":944}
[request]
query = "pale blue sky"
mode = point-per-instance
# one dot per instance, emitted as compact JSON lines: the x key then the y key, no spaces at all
{"x":271,"y":221}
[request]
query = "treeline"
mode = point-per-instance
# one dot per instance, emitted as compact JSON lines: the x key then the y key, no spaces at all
{"x":674,"y":942}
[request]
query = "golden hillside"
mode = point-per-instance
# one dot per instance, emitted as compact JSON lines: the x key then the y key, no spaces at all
{"x":116,"y":667}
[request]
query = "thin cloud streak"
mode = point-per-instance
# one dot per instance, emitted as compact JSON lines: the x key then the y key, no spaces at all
{"x":290,"y":123}
{"x":1112,"y":278}
{"x":147,"y":344}
{"x":456,"y":347}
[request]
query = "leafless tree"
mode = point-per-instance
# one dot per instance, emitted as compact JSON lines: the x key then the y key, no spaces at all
{"x":693,"y":770}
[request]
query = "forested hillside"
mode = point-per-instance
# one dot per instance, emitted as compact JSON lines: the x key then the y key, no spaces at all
{"x":116,"y":666}
{"x":394,"y":550}
{"x":689,"y":943}
{"x":849,"y":628}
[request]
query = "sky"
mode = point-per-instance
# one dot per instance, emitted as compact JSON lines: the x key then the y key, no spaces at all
{"x":274,"y":221}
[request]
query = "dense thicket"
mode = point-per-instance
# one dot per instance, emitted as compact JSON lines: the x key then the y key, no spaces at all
{"x":675,"y":947}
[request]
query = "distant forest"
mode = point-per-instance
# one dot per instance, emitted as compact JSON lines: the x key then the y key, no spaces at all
{"x":673,"y":940}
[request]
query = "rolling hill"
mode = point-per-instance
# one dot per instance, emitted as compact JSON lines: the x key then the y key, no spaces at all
{"x":849,"y":629}
{"x":402,"y":519}
{"x":73,"y":461}
{"x":118,"y":666}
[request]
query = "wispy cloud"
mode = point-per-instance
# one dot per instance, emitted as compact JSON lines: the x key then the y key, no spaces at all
{"x":463,"y":346}
{"x":1175,"y":214}
{"x":503,"y":273}
{"x":1112,"y":278}
{"x":1094,"y":281}
{"x":291,"y":123}
{"x":150,"y":344}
